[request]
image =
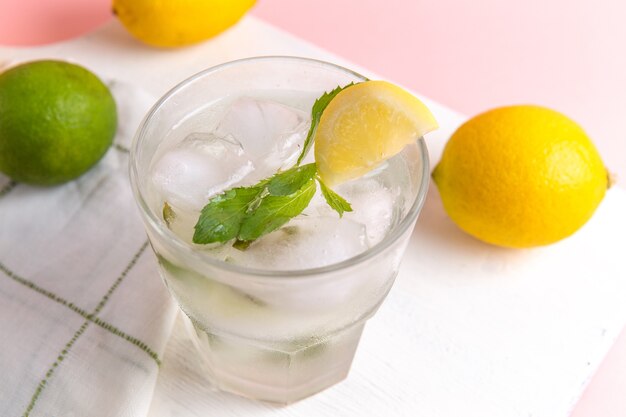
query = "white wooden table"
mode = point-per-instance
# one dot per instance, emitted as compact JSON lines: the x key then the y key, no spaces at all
{"x":469,"y":329}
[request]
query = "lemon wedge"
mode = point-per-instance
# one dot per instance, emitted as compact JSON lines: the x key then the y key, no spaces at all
{"x":363,"y":126}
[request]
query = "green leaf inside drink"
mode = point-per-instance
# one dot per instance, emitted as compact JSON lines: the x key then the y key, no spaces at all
{"x":247,"y":213}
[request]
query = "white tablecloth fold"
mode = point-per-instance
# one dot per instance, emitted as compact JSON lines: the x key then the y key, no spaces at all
{"x":84,"y":318}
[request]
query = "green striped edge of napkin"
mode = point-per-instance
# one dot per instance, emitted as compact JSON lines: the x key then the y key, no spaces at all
{"x":89,"y":318}
{"x":98,"y":321}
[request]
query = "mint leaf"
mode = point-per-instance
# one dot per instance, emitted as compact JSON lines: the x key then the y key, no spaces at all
{"x":334,"y":200}
{"x":276,"y":210}
{"x":220,"y":220}
{"x":247,"y":213}
{"x":316,"y":114}
{"x":290,"y":181}
{"x":168,"y":214}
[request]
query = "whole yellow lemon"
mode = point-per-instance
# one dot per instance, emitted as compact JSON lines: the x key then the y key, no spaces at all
{"x":520,"y":176}
{"x":171,"y":23}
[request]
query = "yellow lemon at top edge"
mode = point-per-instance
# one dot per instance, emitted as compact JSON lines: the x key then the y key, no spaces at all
{"x":363,"y":126}
{"x":520,"y":176}
{"x":180,"y":22}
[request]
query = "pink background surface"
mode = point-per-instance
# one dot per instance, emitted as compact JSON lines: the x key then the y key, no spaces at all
{"x":471,"y":56}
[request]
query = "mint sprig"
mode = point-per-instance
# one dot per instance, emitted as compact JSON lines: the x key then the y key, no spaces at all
{"x":247,"y":213}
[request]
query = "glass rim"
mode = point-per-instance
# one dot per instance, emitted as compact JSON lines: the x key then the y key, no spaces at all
{"x":180,"y":245}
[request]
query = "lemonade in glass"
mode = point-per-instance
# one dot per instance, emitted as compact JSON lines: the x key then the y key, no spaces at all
{"x":277,"y":318}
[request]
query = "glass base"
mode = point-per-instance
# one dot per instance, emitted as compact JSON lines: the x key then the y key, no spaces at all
{"x":280,"y":373}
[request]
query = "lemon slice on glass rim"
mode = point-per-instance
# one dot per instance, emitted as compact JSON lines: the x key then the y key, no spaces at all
{"x":363,"y":126}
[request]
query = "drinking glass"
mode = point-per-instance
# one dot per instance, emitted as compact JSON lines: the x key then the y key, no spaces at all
{"x":277,"y":336}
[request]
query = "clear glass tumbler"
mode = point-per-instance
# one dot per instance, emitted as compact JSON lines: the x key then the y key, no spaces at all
{"x":277,"y":336}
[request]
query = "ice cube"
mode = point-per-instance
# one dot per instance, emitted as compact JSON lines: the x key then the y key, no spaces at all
{"x":303,"y":243}
{"x":372,"y":205}
{"x":199,"y":167}
{"x":271,"y":133}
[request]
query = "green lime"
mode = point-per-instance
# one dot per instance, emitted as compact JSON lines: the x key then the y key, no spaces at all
{"x":56,"y":121}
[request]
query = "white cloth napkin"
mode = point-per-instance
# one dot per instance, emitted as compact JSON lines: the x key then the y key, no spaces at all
{"x":84,"y":318}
